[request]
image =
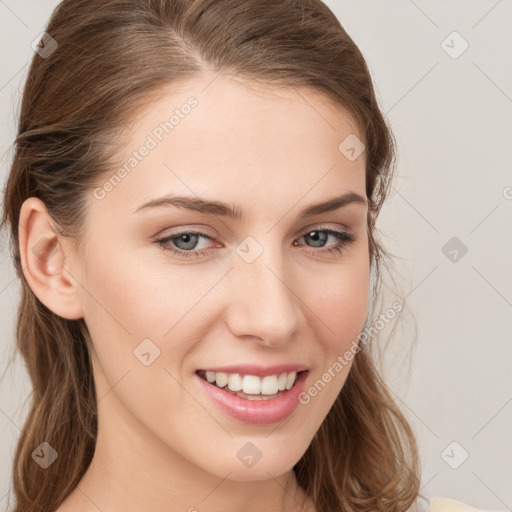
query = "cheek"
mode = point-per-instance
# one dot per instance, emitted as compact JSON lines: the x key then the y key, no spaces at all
{"x":144,"y":319}
{"x":120,"y":314}
{"x":344,"y":310}
{"x":340,"y":304}
{"x":346,"y":307}
{"x":126,"y":295}
{"x":128,"y":312}
{"x":340,"y":313}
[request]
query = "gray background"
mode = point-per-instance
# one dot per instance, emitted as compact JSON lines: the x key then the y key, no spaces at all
{"x":451,"y":117}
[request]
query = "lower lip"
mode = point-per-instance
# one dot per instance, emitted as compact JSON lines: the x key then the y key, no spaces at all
{"x":256,"y":411}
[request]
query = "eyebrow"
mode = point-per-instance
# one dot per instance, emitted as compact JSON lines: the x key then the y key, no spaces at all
{"x":209,"y":207}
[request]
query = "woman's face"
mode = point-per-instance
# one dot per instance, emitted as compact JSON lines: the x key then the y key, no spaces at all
{"x":258,"y":294}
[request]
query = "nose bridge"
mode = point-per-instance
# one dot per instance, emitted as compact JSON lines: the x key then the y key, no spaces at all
{"x":262,"y":301}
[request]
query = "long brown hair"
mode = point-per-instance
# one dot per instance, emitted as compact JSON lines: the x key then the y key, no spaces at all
{"x":112,"y":57}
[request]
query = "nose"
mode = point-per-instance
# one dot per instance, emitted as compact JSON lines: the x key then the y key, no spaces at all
{"x":263,"y":303}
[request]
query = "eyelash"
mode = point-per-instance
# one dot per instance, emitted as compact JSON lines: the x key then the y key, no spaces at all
{"x":344,"y":239}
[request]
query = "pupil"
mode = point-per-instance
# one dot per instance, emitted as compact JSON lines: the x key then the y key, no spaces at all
{"x":317,"y":236}
{"x":187,"y":239}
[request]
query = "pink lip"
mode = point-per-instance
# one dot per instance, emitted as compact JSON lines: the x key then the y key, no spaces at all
{"x":260,"y":371}
{"x":256,"y":411}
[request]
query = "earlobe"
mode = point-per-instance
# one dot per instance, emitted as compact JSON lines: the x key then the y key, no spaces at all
{"x":44,"y":262}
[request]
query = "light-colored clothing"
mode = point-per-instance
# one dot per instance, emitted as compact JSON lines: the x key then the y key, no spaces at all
{"x":441,"y":504}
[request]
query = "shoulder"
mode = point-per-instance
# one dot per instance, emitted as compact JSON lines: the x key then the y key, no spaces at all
{"x":442,"y":504}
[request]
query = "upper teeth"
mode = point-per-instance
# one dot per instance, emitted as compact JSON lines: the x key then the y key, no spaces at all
{"x":252,"y":384}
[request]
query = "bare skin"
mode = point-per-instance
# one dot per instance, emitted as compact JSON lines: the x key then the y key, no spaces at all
{"x":163,"y":445}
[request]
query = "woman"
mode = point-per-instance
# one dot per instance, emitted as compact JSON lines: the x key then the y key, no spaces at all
{"x":192,"y":206}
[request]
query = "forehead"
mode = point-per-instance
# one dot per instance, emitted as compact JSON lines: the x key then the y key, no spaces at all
{"x":220,"y":138}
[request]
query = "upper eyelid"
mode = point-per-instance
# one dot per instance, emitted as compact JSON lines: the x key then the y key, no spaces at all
{"x":202,"y":232}
{"x":311,"y":227}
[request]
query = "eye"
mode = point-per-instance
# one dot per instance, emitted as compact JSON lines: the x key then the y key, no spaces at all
{"x":319,"y":236}
{"x":187,"y":242}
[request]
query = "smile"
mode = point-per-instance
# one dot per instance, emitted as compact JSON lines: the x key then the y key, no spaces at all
{"x":254,"y":398}
{"x":251,"y":387}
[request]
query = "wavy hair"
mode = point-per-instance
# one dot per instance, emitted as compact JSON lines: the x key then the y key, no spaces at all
{"x":114,"y":57}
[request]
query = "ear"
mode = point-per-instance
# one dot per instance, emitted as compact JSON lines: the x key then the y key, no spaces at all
{"x":43,"y":261}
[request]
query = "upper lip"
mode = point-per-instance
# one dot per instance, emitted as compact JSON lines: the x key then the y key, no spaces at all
{"x":258,"y":370}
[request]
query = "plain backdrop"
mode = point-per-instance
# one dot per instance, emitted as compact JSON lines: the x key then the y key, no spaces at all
{"x":444,"y":82}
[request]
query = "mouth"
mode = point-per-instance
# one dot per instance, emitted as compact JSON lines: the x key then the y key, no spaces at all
{"x":252,"y":387}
